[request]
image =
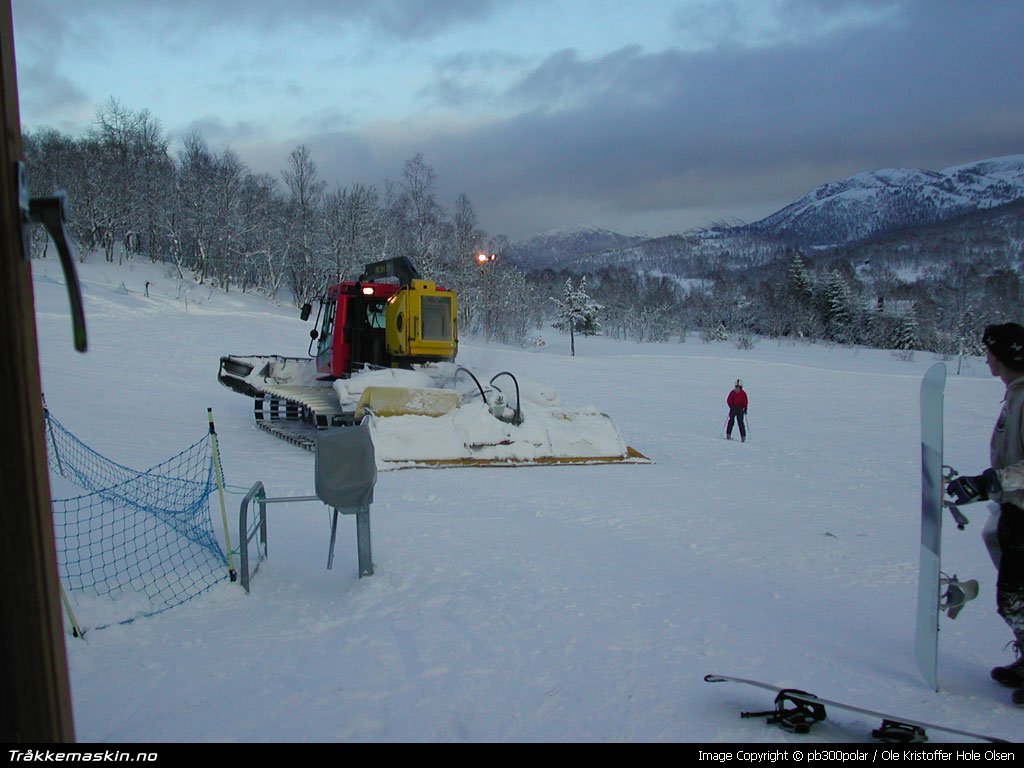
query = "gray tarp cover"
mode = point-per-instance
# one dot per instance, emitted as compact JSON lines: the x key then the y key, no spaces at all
{"x":346,"y":469}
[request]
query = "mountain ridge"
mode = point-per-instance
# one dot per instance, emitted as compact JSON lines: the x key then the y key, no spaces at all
{"x":836,"y":214}
{"x":877,"y":202}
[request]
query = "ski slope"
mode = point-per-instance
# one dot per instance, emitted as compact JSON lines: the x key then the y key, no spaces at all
{"x":548,"y":604}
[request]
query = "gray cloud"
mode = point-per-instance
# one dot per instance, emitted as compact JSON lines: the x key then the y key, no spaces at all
{"x":769,"y":23}
{"x":48,"y":92}
{"x":461,"y":79}
{"x":738,"y":125}
{"x":635,"y":135}
{"x":180,"y":19}
{"x":412,"y":19}
{"x":42,"y":88}
{"x":217,"y":133}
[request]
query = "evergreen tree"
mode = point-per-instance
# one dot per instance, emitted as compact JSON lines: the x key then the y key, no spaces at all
{"x":800,"y":282}
{"x":968,"y":335}
{"x":713,"y":334}
{"x":800,"y":298}
{"x":839,"y":314}
{"x":878,"y":334}
{"x":577,"y":312}
{"x":906,"y":337}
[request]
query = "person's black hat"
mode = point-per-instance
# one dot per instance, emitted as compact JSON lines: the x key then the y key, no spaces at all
{"x":1006,"y":343}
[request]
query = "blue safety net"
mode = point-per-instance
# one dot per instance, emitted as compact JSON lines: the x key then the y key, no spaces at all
{"x":134,"y":543}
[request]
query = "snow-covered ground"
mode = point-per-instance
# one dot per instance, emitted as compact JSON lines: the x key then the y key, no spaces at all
{"x":581,"y":603}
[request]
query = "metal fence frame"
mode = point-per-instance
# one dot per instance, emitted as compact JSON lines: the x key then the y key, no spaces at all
{"x":258,"y":494}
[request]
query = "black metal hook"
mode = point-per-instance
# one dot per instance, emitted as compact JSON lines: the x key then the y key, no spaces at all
{"x":51,"y":211}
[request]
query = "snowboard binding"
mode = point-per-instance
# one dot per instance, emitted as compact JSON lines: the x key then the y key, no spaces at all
{"x":957,"y":594}
{"x":961,"y":520}
{"x":893,"y":732}
{"x":797,"y":718}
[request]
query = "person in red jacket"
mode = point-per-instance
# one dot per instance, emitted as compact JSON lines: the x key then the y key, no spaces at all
{"x":737,"y":401}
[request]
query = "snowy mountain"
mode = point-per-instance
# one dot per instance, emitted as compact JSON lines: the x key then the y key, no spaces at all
{"x":840,"y":213}
{"x":890,"y":199}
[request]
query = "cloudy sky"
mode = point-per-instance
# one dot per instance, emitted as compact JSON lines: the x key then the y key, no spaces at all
{"x":636,"y":115}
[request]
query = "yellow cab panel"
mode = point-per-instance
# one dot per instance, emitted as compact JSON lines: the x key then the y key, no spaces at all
{"x":422,"y":323}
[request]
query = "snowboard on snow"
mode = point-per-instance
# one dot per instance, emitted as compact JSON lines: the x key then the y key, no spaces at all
{"x":797,"y":711}
{"x":936,"y":592}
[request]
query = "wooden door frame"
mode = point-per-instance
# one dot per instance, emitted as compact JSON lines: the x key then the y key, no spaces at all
{"x":35,"y":693}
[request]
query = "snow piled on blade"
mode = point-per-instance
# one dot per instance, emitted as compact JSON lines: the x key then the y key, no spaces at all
{"x":350,"y":390}
{"x":472,"y":433}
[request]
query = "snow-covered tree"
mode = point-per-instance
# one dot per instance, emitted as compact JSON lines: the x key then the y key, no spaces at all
{"x":418,"y":218}
{"x":577,"y":312}
{"x":352,"y":230}
{"x":800,"y":284}
{"x":190,"y":224}
{"x":132,"y":150}
{"x":304,"y":235}
{"x":470,"y":279}
{"x":906,"y":337}
{"x":799,"y":315}
{"x":711,"y":334}
{"x":838,"y":310}
{"x":968,"y":334}
{"x":505,"y":300}
{"x":261,"y":245}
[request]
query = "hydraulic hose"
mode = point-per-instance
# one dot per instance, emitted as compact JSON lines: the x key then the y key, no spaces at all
{"x":518,"y":418}
{"x":461,"y":369}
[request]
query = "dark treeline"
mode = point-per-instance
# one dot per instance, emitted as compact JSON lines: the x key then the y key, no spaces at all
{"x":933,"y":288}
{"x":209,"y":217}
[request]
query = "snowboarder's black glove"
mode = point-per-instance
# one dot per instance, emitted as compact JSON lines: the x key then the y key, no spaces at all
{"x":965,"y":490}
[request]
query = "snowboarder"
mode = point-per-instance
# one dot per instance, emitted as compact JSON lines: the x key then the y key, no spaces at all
{"x":1003,"y":483}
{"x":737,"y":402}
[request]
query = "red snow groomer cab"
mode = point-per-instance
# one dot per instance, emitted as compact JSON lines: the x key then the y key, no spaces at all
{"x":366,"y":323}
{"x":383,"y":324}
